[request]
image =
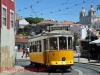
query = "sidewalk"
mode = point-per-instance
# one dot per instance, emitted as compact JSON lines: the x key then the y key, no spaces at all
{"x":12,"y":71}
{"x":19,"y":54}
{"x":85,"y":60}
{"x":16,"y":68}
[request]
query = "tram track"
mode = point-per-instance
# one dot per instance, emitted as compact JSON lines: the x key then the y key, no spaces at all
{"x":59,"y":73}
{"x":91,"y":67}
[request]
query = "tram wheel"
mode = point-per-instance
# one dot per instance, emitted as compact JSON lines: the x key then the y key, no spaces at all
{"x":69,"y":69}
{"x":31,"y":63}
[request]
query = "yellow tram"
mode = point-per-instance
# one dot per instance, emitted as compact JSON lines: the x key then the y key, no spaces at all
{"x":52,"y":49}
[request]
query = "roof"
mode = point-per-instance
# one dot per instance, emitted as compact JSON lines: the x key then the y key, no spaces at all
{"x":95,"y":41}
{"x":17,"y":16}
{"x":65,"y":23}
{"x":60,"y":31}
{"x":21,"y":36}
{"x":55,"y":32}
{"x":19,"y":40}
{"x":46,"y":22}
{"x":97,"y":22}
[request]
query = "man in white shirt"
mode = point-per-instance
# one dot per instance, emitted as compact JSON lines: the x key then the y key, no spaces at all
{"x":27,"y":52}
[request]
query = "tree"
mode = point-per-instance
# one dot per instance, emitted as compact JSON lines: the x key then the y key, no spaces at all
{"x":37,"y":20}
{"x":91,"y":36}
{"x":23,"y":32}
{"x":34,"y":20}
{"x":29,"y":19}
{"x":75,"y":42}
{"x":77,"y":22}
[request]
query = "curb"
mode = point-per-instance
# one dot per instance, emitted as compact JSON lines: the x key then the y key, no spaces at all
{"x":22,"y":59}
{"x":89,"y":63}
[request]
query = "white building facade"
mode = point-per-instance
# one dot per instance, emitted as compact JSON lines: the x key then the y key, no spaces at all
{"x":96,"y":25}
{"x":80,"y":30}
{"x":21,"y":24}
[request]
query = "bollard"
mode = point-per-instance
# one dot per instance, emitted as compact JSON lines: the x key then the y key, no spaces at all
{"x":98,"y":58}
{"x":78,"y":57}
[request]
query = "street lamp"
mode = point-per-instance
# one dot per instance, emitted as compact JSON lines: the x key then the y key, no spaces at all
{"x":89,"y":39}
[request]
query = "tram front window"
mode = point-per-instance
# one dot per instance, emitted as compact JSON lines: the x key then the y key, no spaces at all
{"x":62,"y":43}
{"x":53,"y":43}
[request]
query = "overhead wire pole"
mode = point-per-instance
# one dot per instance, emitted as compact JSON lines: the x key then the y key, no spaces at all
{"x":33,"y":10}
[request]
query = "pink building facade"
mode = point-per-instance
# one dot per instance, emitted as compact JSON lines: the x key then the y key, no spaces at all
{"x":7,"y":35}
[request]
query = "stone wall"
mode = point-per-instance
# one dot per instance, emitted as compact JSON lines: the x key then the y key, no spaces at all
{"x":7,"y":51}
{"x":7,"y":61}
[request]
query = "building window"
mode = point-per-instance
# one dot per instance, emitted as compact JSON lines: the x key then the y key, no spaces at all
{"x":93,"y":13}
{"x":4,"y":16}
{"x":11,"y":18}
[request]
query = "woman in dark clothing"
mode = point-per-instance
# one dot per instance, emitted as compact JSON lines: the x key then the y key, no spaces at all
{"x":23,"y":52}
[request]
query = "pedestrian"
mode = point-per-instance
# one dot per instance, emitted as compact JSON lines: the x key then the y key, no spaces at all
{"x":23,"y":52}
{"x":27,"y":52}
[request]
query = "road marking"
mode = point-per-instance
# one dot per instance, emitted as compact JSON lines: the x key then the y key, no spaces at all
{"x":80,"y":72}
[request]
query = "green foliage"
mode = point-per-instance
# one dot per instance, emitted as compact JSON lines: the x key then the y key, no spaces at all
{"x":23,"y":32}
{"x":98,"y":7}
{"x":77,"y":22}
{"x":30,"y":20}
{"x":75,"y":42}
{"x":34,"y":20}
{"x":91,"y":37}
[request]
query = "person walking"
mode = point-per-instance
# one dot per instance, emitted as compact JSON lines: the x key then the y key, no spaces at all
{"x":27,"y":52}
{"x":23,"y":52}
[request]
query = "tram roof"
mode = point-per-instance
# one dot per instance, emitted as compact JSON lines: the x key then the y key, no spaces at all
{"x":53,"y":33}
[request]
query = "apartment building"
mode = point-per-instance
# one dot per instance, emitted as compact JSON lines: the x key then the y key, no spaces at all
{"x":7,"y":39}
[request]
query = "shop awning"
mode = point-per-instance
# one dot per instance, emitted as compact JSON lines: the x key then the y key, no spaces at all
{"x":95,"y":42}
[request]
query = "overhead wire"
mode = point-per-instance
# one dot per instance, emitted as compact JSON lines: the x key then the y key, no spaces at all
{"x":63,"y":9}
{"x":29,"y":6}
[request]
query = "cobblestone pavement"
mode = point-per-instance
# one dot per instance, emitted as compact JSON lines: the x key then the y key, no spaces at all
{"x":24,"y":62}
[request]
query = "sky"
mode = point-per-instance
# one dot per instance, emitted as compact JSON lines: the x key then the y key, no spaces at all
{"x":60,"y":10}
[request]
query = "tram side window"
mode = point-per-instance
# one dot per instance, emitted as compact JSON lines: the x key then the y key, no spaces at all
{"x":53,"y":43}
{"x":39,"y":46}
{"x":62,"y":43}
{"x":30,"y":46}
{"x":45,"y":44}
{"x":69,"y":42}
{"x":35,"y":47}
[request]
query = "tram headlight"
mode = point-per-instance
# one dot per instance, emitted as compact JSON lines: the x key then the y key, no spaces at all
{"x":63,"y":58}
